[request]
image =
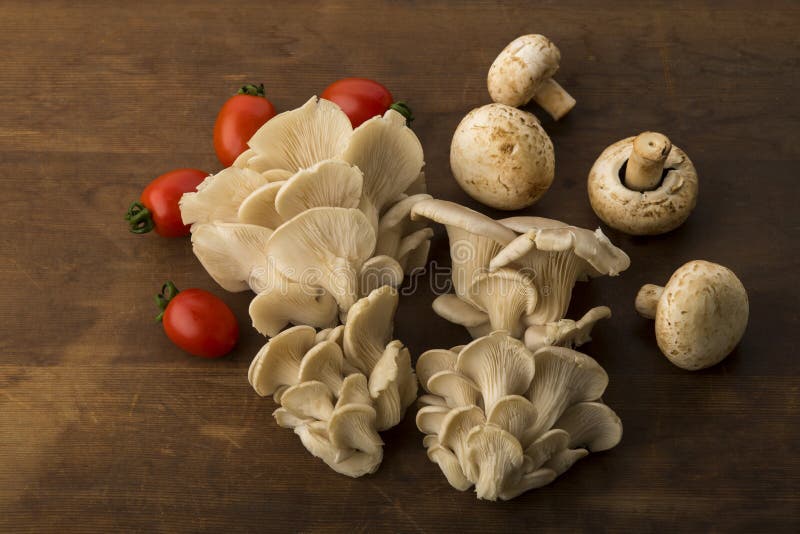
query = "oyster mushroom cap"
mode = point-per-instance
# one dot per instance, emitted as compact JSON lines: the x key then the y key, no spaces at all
{"x":396,"y":223}
{"x":456,"y":389}
{"x":523,"y":223}
{"x":393,"y":385}
{"x":474,"y":239}
{"x":249,"y":159}
{"x":285,"y":301}
{"x":527,"y":482}
{"x":299,"y":138}
{"x":312,"y":400}
{"x":651,"y":212}
{"x":234,"y":254}
{"x":563,"y":460}
{"x":330,"y":245}
{"x":565,"y":332}
{"x":499,"y":364}
{"x":431,"y":362}
{"x":352,"y":426}
{"x":546,"y":447}
{"x":278,"y":362}
{"x":259,"y":206}
{"x":514,"y":414}
{"x":524,"y":70}
{"x":218,"y":196}
{"x":369,"y":328}
{"x":455,"y":310}
{"x":379,"y":271}
{"x":354,"y":390}
{"x":449,"y":464}
{"x":287,"y":419}
{"x":455,"y":428}
{"x":591,"y":425}
{"x":556,"y":258}
{"x":563,"y":377}
{"x":323,"y":364}
{"x":506,"y":295}
{"x":390,"y":157}
{"x":501,"y":156}
{"x":429,"y":418}
{"x":497,"y":456}
{"x":330,"y":182}
{"x":315,"y":438}
{"x":700,"y":315}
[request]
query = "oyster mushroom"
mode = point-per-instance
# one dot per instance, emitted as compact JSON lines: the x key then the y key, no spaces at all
{"x":328,"y":245}
{"x":700,"y":315}
{"x":328,"y":183}
{"x":219,"y":196}
{"x":565,"y":332}
{"x":657,"y":192}
{"x":259,"y":206}
{"x":392,"y":385}
{"x":592,"y":425}
{"x":287,"y":302}
{"x":524,"y":70}
{"x":401,"y":238}
{"x":316,"y":439}
{"x":369,"y":328}
{"x":501,"y":156}
{"x":497,"y":456}
{"x":278,"y":362}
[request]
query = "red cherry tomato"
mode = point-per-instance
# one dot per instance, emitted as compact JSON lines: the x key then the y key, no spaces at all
{"x":158,"y":208}
{"x":361,"y":99}
{"x":240,"y":117}
{"x":197,"y":321}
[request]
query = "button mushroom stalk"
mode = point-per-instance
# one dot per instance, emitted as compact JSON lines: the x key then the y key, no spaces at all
{"x":524,"y":70}
{"x":646,"y":164}
{"x":700,"y":315}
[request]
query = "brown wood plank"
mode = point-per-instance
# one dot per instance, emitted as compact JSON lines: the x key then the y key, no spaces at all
{"x":105,"y":426}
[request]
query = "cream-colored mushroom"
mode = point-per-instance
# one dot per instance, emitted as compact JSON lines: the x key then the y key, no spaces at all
{"x":323,"y":363}
{"x":700,"y":315}
{"x":285,"y":301}
{"x":501,"y":156}
{"x":506,"y":295}
{"x":316,"y":439}
{"x":278,"y":362}
{"x":591,"y":425}
{"x":379,"y":271}
{"x":369,"y":328}
{"x":327,"y":247}
{"x":497,"y":457}
{"x":392,"y":385}
{"x":312,"y":399}
{"x":330,"y":183}
{"x":524,"y":70}
{"x":219,"y":196}
{"x":654,"y":194}
{"x":405,"y":240}
{"x":565,"y":332}
{"x":259,"y":206}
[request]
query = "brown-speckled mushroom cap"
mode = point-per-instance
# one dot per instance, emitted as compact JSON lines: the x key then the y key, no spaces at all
{"x":501,"y":156}
{"x":647,"y":212}
{"x":700,"y":316}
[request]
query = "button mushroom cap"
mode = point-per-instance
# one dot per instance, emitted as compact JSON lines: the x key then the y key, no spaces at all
{"x":619,"y":202}
{"x":501,"y":156}
{"x":524,"y":70}
{"x":700,"y":315}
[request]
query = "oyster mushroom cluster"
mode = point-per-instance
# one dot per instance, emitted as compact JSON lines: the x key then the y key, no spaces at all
{"x":517,"y":274}
{"x":337,"y":388}
{"x":313,"y":216}
{"x":506,"y":420}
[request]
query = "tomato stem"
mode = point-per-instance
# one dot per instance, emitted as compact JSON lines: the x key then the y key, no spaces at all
{"x":252,"y":89}
{"x":403,"y":109}
{"x":168,"y":292}
{"x":139,"y":219}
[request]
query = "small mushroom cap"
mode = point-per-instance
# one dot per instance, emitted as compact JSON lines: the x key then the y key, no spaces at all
{"x":379,"y":271}
{"x":392,"y":385}
{"x":234,"y":254}
{"x":353,"y":427}
{"x":287,"y":302}
{"x":328,"y":183}
{"x":701,"y":315}
{"x":259,"y":206}
{"x":506,"y":295}
{"x":278,"y":362}
{"x":565,"y":332}
{"x":429,"y":418}
{"x":497,"y":456}
{"x":449,"y":464}
{"x":646,"y":212}
{"x":501,"y":156}
{"x":312,"y":400}
{"x":218,"y":197}
{"x":431,"y":362}
{"x":591,"y":425}
{"x":456,"y":389}
{"x":315,"y":438}
{"x":521,"y":68}
{"x":369,"y":327}
{"x":323,"y":363}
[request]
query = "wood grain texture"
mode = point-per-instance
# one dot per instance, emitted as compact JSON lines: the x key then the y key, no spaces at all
{"x":104,"y":426}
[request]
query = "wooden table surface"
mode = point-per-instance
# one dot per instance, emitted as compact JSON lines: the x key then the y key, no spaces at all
{"x":105,"y":426}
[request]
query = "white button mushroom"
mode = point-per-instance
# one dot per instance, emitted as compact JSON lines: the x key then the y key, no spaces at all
{"x":501,"y":156}
{"x":643,"y":185}
{"x":524,"y":71}
{"x":700,"y":315}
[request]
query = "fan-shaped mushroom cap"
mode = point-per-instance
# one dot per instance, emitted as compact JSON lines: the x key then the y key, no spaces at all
{"x":500,"y":365}
{"x":218,"y":197}
{"x":355,"y":390}
{"x":330,"y":182}
{"x":501,"y":156}
{"x":299,"y":138}
{"x":449,"y":464}
{"x":565,"y":332}
{"x":352,"y":426}
{"x":250,"y":159}
{"x":285,"y":301}
{"x":527,"y":482}
{"x":315,"y":438}
{"x":514,"y":414}
{"x":556,"y":258}
{"x":287,"y":419}
{"x":278,"y":362}
{"x":429,"y":418}
{"x":474,"y":239}
{"x":455,"y":388}
{"x":563,"y":377}
{"x":523,"y":223}
{"x":390,"y":156}
{"x":546,"y":447}
{"x":506,"y":295}
{"x":403,"y":239}
{"x":563,"y":460}
{"x":392,"y":385}
{"x":642,"y":212}
{"x":369,"y":327}
{"x":323,"y":363}
{"x":592,"y":425}
{"x":259,"y":206}
{"x":431,"y":362}
{"x":379,"y":271}
{"x":233,"y":254}
{"x":458,"y":311}
{"x":312,"y":400}
{"x":497,"y":457}
{"x":700,"y":315}
{"x":333,"y":242}
{"x":455,"y":428}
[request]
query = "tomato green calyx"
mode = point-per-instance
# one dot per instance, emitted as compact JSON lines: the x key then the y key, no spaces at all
{"x":139,"y":218}
{"x":252,"y":89}
{"x":168,"y":292}
{"x":403,"y":109}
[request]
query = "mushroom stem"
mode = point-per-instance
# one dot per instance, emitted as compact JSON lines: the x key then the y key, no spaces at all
{"x":554,"y":99}
{"x":646,"y":163}
{"x":647,"y":300}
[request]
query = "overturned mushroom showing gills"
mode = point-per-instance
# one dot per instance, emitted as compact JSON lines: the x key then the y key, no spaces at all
{"x":524,"y":70}
{"x":501,"y":156}
{"x":700,"y":315}
{"x":507,"y":420}
{"x":655,"y":193}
